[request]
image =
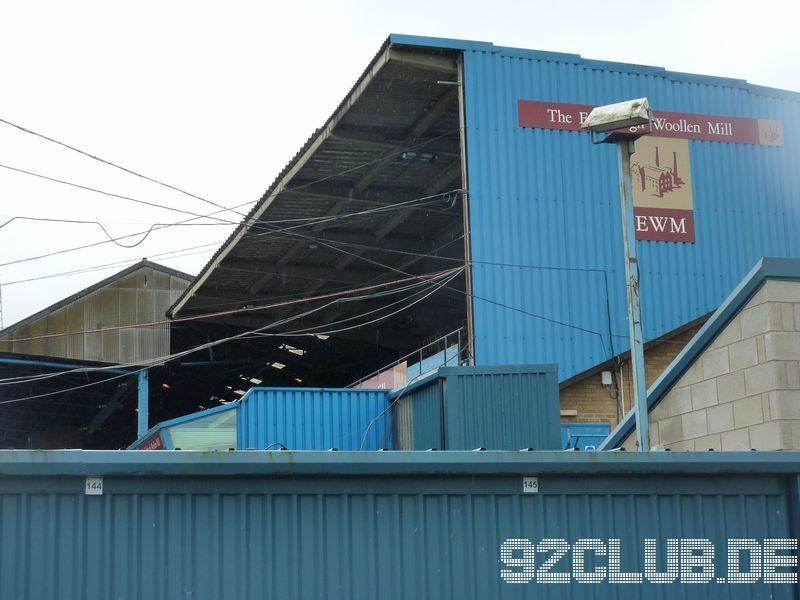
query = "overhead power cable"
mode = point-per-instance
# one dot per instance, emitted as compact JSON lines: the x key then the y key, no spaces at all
{"x":113,"y":164}
{"x":234,"y":311}
{"x":112,"y":194}
{"x":198,"y":348}
{"x":399,"y":151}
{"x":260,"y":225}
{"x":428,"y":284}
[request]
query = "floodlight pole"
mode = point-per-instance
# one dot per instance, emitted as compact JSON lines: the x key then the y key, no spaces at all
{"x":626,"y":148}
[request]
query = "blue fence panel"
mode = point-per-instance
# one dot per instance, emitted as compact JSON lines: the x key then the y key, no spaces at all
{"x":362,"y":525}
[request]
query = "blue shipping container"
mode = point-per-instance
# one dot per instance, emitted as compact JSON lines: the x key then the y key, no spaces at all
{"x":504,"y":407}
{"x":314,"y":419}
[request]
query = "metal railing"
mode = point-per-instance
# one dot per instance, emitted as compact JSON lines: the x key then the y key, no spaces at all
{"x":430,"y":349}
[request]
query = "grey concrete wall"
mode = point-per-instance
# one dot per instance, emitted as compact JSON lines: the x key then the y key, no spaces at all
{"x":744,"y":391}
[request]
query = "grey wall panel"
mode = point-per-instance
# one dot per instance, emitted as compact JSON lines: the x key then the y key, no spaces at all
{"x":140,"y":297}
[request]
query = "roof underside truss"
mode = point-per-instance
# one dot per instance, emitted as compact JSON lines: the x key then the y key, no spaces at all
{"x":374,"y":196}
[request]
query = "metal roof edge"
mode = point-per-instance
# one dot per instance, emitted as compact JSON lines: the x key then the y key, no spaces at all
{"x":60,"y":362}
{"x":401,"y":39}
{"x":307,"y":389}
{"x":705,"y":79}
{"x":414,"y":385}
{"x":610,"y":362}
{"x":138,"y":442}
{"x":765,"y":90}
{"x":469,"y":45}
{"x":608,"y":65}
{"x":765,"y":268}
{"x":277,"y":185}
{"x":194,"y":416}
{"x":256,"y":463}
{"x":93,"y":288}
{"x":499,"y":369}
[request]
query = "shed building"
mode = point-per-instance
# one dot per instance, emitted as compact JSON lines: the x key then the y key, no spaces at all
{"x":78,"y":364}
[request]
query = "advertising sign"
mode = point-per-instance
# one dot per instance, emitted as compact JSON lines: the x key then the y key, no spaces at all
{"x":660,"y":166}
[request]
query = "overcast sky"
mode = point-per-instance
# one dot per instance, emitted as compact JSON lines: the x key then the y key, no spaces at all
{"x":215,"y":98}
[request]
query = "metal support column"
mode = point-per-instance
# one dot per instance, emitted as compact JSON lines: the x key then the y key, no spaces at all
{"x":144,"y":402}
{"x":634,"y":308}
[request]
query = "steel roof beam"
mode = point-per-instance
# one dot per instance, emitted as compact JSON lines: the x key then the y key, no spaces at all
{"x":423,"y":122}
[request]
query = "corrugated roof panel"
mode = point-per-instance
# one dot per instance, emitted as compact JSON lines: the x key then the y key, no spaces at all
{"x":548,"y":201}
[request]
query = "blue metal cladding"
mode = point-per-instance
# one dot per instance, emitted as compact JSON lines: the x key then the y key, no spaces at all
{"x":369,"y":525}
{"x":501,"y":408}
{"x":581,"y":436}
{"x":505,"y":407}
{"x":314,"y":419}
{"x":546,"y":236}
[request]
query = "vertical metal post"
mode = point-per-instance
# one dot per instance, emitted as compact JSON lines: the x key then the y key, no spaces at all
{"x":634,"y":307}
{"x":462,"y":125}
{"x":144,"y":402}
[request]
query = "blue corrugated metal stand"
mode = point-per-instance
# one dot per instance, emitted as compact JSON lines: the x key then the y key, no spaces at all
{"x":462,"y":408}
{"x":314,"y":419}
{"x":334,"y":525}
{"x":546,"y":237}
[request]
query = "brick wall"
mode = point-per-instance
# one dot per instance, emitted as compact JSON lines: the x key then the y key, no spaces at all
{"x":596,"y":404}
{"x":744,"y":390}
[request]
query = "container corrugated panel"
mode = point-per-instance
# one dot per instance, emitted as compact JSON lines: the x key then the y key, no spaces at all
{"x":314,"y":419}
{"x":417,"y":418}
{"x":250,"y":526}
{"x":546,"y":237}
{"x":506,"y":407}
{"x":501,"y":408}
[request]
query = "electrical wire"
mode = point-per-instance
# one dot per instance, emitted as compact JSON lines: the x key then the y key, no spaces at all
{"x":105,"y":193}
{"x":212,"y":203}
{"x":108,"y":162}
{"x":227,"y":312}
{"x":102,"y":227}
{"x":257,"y":224}
{"x":169,"y":357}
{"x":122,"y":263}
{"x":411,"y":299}
{"x":396,"y":399}
{"x":337,"y":297}
{"x":357,"y":167}
{"x":316,"y":330}
{"x":522,"y":311}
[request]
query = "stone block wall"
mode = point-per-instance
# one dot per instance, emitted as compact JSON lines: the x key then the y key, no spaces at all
{"x":743,"y":391}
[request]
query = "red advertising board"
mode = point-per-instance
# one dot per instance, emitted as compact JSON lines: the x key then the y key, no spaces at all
{"x":154,"y":442}
{"x":557,"y":115}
